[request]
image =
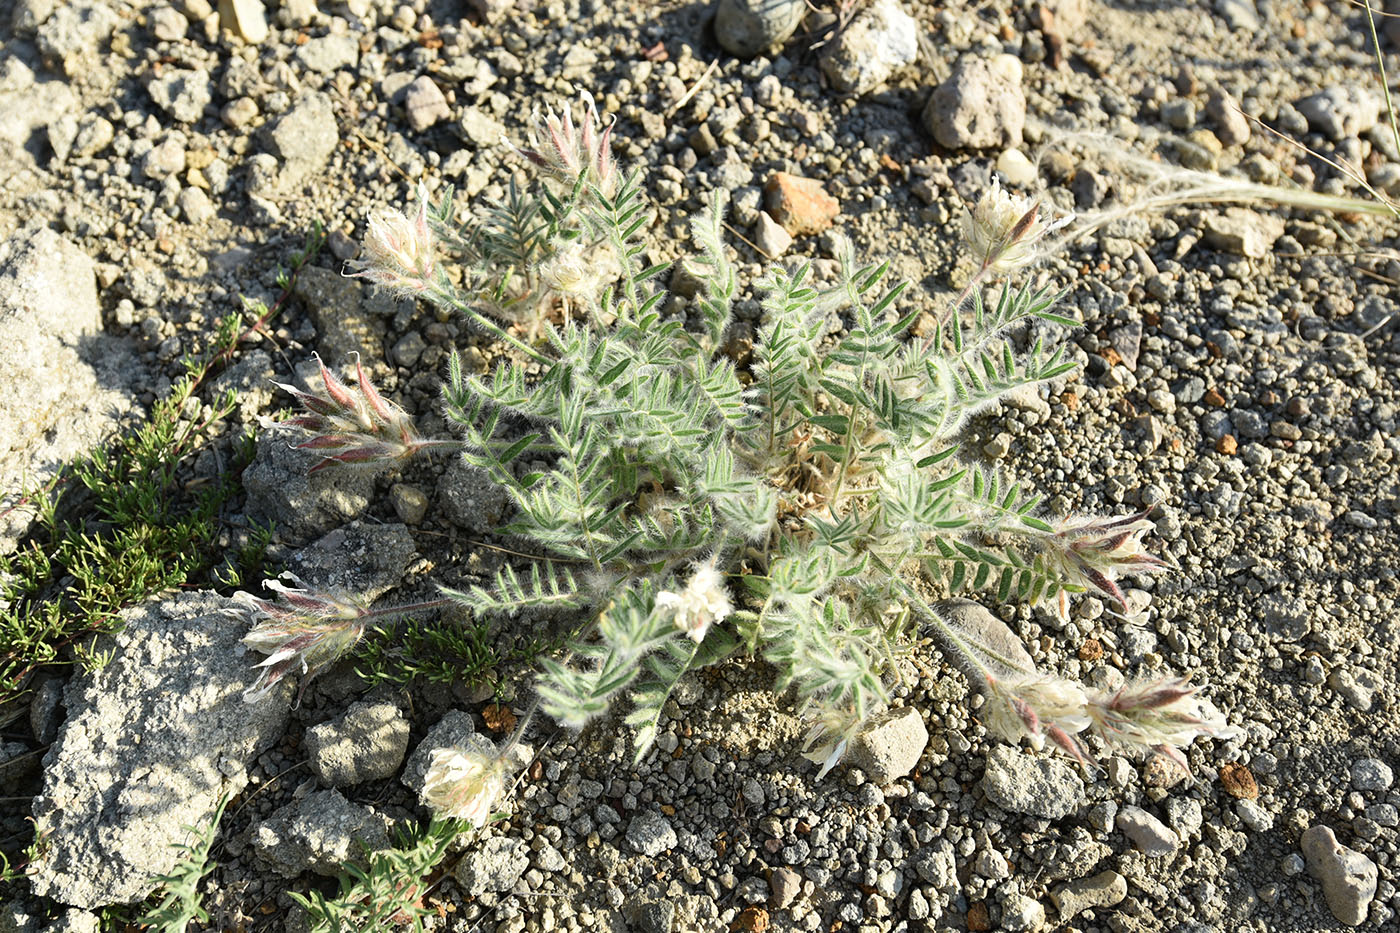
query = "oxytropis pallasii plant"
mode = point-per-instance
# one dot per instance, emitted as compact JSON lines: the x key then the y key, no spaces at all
{"x":808,"y":509}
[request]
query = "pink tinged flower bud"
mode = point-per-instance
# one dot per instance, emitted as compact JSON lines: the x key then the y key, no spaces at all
{"x":1091,"y":553}
{"x":565,"y":151}
{"x":1162,"y":716}
{"x":1002,"y":229}
{"x":353,"y":426}
{"x":399,"y":250}
{"x":301,"y":630}
{"x":703,"y":602}
{"x":463,"y":785}
{"x":1034,"y":706}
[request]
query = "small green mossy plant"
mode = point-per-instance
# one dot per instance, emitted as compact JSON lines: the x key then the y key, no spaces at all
{"x":808,"y":507}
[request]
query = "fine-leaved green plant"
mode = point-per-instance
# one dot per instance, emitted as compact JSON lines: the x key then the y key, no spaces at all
{"x":809,"y":506}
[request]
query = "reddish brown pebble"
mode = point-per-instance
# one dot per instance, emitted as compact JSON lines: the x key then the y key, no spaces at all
{"x":799,"y":204}
{"x":1227,"y":445}
{"x":752,"y":920}
{"x":1213,"y":398}
{"x":1091,"y":650}
{"x":1111,"y":355}
{"x":1071,"y":400}
{"x":498,"y":718}
{"x":979,"y":919}
{"x":1238,"y":781}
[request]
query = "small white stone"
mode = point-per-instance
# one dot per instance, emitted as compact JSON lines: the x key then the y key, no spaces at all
{"x":1016,"y":168}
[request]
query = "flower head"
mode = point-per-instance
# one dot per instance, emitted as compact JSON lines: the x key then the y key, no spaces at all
{"x":1092,"y":552}
{"x":567,"y":152}
{"x":1162,"y":715}
{"x":464,"y":784}
{"x":703,"y":602}
{"x":398,"y":250}
{"x":833,"y":728}
{"x":569,"y":272}
{"x":302,"y":629}
{"x":1002,"y":229}
{"x":1037,"y":707}
{"x":354,"y":426}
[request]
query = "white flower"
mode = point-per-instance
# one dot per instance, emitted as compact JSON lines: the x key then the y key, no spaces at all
{"x":398,"y":249}
{"x":463,"y":785}
{"x":1002,"y":229}
{"x":568,"y":272}
{"x":1032,"y":705}
{"x":703,"y":602}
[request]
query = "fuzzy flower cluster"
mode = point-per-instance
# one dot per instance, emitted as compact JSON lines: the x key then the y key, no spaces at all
{"x":399,"y":250}
{"x":354,"y":426}
{"x":1003,"y":229}
{"x":301,"y":631}
{"x":464,"y":784}
{"x":703,"y":602}
{"x":566,"y":152}
{"x":1161,"y":716}
{"x":1093,"y":552}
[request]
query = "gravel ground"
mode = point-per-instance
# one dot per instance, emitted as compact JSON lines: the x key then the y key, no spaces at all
{"x":1238,"y":379}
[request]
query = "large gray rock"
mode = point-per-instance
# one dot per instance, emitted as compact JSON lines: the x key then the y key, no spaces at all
{"x":55,"y":405}
{"x":455,"y":730}
{"x":980,"y":106}
{"x":888,"y":746}
{"x":151,"y":741}
{"x":303,"y":138}
{"x":747,"y":27}
{"x":367,"y":743}
{"x":881,"y":39}
{"x":493,"y":866}
{"x":70,"y":37}
{"x":1348,"y":878}
{"x":182,"y":93}
{"x":300,"y":505}
{"x":470,"y":499}
{"x":361,"y":558}
{"x":319,"y":833}
{"x":1031,"y":784}
{"x":1341,"y":111}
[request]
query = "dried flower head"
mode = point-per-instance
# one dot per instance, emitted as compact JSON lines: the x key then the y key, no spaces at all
{"x":301,"y":629}
{"x":1037,"y":707}
{"x":464,"y":784}
{"x":831,"y":732}
{"x":566,"y":151}
{"x":1163,"y":716}
{"x":354,"y":426}
{"x":703,"y":602}
{"x":1093,"y":552}
{"x":399,"y":250}
{"x":1003,"y":228}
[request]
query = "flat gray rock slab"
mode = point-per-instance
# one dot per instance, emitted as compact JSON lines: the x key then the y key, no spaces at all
{"x":150,"y":743}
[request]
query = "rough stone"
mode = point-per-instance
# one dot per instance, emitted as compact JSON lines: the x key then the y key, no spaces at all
{"x":364,"y":558}
{"x":410,"y":503}
{"x":1348,"y":878}
{"x":981,"y":626}
{"x":650,"y":833}
{"x":770,"y":236}
{"x":329,"y":53}
{"x":785,"y":885}
{"x":300,"y":505}
{"x":1371,"y":775}
{"x":1243,"y":232}
{"x":318,"y":833}
{"x":70,"y":36}
{"x":889,"y":745}
{"x":1231,"y":126}
{"x":881,"y":39}
{"x":56,"y":404}
{"x":151,"y":741}
{"x":1103,"y":890}
{"x":424,"y":104}
{"x":366,"y":743}
{"x":245,"y":18}
{"x":495,"y":865}
{"x":800,"y":205}
{"x":492,"y":11}
{"x":182,"y":93}
{"x":748,"y":27}
{"x":304,"y":138}
{"x":1149,"y":834}
{"x":1031,"y":784}
{"x":980,"y":106}
{"x":470,"y":499}
{"x":1340,"y":111}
